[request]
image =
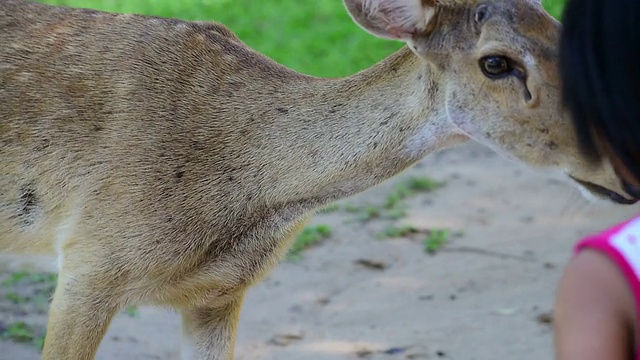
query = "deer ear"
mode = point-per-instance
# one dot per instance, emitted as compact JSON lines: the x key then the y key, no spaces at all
{"x":392,"y":19}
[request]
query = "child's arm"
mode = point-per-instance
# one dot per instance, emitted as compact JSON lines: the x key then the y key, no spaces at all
{"x":594,"y":311}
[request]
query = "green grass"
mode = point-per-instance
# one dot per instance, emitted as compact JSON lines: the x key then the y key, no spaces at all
{"x":435,"y":240}
{"x":310,"y":236}
{"x":25,"y":277}
{"x":413,"y":185}
{"x":23,"y":292}
{"x":131,"y":311}
{"x":394,"y":206}
{"x":316,"y":37}
{"x":22,"y":332}
{"x":554,"y":7}
{"x":397,"y":231}
{"x":329,"y":209}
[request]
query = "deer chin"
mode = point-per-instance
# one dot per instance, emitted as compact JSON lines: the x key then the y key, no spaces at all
{"x":598,"y":193}
{"x":591,"y":191}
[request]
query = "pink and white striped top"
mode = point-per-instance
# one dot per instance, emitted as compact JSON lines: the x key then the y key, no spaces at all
{"x":621,"y":243}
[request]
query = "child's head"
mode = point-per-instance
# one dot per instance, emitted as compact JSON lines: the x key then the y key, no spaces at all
{"x":600,"y":67}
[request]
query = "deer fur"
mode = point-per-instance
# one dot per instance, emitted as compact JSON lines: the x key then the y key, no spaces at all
{"x":164,"y":162}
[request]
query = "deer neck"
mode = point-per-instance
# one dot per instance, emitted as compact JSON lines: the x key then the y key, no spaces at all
{"x":357,"y":131}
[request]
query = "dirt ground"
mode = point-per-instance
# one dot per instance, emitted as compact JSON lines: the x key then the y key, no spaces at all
{"x":485,"y":294}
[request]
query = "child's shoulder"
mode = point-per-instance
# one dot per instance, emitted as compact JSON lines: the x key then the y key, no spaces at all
{"x":624,"y":237}
{"x":621,"y":244}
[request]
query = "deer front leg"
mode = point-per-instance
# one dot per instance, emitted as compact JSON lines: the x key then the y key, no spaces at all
{"x":82,"y":308}
{"x":209,"y":333}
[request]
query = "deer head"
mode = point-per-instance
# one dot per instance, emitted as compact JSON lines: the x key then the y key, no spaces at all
{"x":497,"y":65}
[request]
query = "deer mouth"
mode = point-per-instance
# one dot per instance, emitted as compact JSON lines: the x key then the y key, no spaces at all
{"x":603,"y":192}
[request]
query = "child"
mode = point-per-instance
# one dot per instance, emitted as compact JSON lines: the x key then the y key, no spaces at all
{"x":597,"y":306}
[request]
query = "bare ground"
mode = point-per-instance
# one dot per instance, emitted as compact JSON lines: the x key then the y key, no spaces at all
{"x":486,"y":293}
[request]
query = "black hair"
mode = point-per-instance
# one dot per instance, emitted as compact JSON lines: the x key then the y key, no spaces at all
{"x":600,"y":70}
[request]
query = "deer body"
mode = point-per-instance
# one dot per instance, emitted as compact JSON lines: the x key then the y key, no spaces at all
{"x":165,"y":162}
{"x":230,"y":184}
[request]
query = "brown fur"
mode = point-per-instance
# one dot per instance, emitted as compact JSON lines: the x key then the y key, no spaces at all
{"x":165,"y":162}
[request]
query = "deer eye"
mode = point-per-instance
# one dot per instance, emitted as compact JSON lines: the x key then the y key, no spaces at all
{"x":495,"y":67}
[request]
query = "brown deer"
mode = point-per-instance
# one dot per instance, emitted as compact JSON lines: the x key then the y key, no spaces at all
{"x":164,"y":162}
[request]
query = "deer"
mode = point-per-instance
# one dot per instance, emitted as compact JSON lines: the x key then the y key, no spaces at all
{"x":165,"y":162}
